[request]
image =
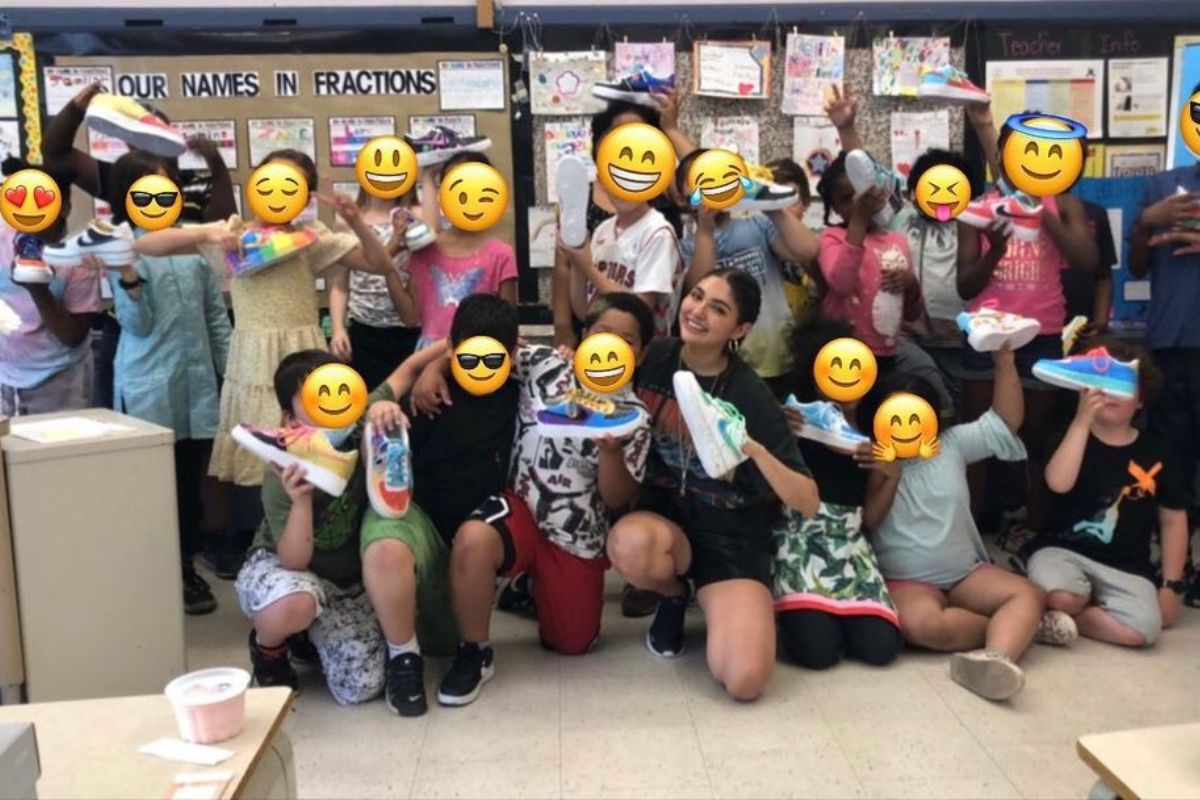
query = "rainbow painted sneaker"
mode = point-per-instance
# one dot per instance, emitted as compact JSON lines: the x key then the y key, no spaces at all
{"x":325,"y":467}
{"x":584,"y":415}
{"x":717,"y":429}
{"x":262,"y":247}
{"x":389,"y":471}
{"x":125,"y":119}
{"x":1095,"y":369}
{"x":988,"y":329}
{"x":951,"y":84}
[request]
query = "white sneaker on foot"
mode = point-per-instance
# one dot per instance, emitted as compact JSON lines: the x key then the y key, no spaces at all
{"x":988,"y":673}
{"x":1057,"y":628}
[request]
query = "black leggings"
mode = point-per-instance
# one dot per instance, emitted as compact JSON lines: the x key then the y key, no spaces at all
{"x":191,"y":458}
{"x":818,"y":640}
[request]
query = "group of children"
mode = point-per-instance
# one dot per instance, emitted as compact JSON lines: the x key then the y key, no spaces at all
{"x":833,"y":553}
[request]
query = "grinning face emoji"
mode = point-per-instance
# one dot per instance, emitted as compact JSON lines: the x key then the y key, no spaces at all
{"x":334,"y":396}
{"x":473,"y":196}
{"x":480,"y":365}
{"x":635,"y":162}
{"x":905,"y":422}
{"x":1189,"y":124}
{"x":717,"y":178}
{"x":386,"y":167}
{"x":943,"y":192}
{"x":30,"y":201}
{"x":604,"y":362}
{"x":278,"y":192}
{"x":845,"y":370}
{"x":1042,"y":154}
{"x":153,"y":202}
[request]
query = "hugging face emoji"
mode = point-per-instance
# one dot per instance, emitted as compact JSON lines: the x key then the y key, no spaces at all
{"x":153,"y":202}
{"x":905,"y":427}
{"x":1042,"y":154}
{"x":845,"y":370}
{"x":942,"y":192}
{"x":480,"y":365}
{"x":1189,"y":124}
{"x":604,"y":363}
{"x":386,"y":167}
{"x":334,"y":396}
{"x":717,"y":179}
{"x":30,"y":201}
{"x":635,"y":162}
{"x":278,"y":192}
{"x":473,"y":196}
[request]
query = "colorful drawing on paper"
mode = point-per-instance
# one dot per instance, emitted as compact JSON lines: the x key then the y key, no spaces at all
{"x":221,"y":132}
{"x":913,"y":133}
{"x":740,"y":69}
{"x":814,"y":64}
{"x":570,"y":137}
{"x":1184,"y":79}
{"x":347,"y":135}
{"x":462,"y":124}
{"x":276,"y":133}
{"x":561,"y":83}
{"x":1068,"y":88}
{"x":736,"y":134}
{"x":897,"y":63}
{"x":631,"y":58}
{"x":815,"y":144}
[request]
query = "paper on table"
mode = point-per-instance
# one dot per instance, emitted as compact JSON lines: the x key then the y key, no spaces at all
{"x":179,"y":750}
{"x":64,"y":429}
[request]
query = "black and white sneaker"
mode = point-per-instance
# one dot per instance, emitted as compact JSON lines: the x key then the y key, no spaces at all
{"x":405,"y":692}
{"x":112,"y":244}
{"x":197,"y":594}
{"x":638,"y":89}
{"x":441,"y":143}
{"x":767,"y":196}
{"x":665,"y":637}
{"x":473,"y":667}
{"x":301,"y":651}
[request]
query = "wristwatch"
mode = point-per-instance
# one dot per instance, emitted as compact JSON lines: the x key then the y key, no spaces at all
{"x":130,"y":285}
{"x":1178,"y":586}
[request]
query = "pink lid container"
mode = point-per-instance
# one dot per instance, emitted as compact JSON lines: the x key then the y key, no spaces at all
{"x":210,"y":705}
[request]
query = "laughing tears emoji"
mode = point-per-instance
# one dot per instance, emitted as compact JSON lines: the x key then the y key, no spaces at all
{"x":386,"y":167}
{"x":30,"y":201}
{"x":905,"y":427}
{"x":717,"y":179}
{"x":604,"y":362}
{"x":635,"y":162}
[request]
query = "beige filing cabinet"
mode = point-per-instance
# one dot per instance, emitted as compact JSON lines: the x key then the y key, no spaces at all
{"x":12,"y":667}
{"x":96,"y":550}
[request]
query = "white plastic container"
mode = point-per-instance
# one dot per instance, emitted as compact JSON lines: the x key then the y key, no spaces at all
{"x":210,"y":705}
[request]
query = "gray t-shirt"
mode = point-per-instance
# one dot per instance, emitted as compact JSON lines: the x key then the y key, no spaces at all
{"x":934,"y":249}
{"x":370,"y":301}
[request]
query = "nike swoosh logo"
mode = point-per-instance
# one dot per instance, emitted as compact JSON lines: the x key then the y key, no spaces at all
{"x":414,"y":698}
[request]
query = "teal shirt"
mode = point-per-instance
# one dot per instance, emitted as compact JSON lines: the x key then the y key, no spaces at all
{"x":174,"y":342}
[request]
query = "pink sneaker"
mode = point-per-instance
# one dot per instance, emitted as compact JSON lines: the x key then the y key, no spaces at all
{"x":1025,"y":221}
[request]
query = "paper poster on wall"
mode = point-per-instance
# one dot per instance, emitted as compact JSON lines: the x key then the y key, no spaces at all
{"x":568,"y":137}
{"x":897,"y":62}
{"x":105,"y":148}
{"x":915,"y":132}
{"x":739,"y":70}
{"x":815,"y":144}
{"x":1093,"y":161}
{"x":222,"y":132}
{"x":1134,"y":160}
{"x":63,"y":83}
{"x":543,"y":233}
{"x":462,"y":124}
{"x":347,"y":135}
{"x":739,"y":134}
{"x":631,"y":58}
{"x":1069,"y":88}
{"x":276,"y":133}
{"x":1137,"y":97}
{"x":1184,"y":79}
{"x":814,"y":64}
{"x":561,"y":83}
{"x":8,"y":85}
{"x":10,"y":138}
{"x":467,"y":85}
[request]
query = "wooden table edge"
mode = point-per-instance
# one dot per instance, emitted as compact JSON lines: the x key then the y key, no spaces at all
{"x":288,"y":704}
{"x":1104,"y":773}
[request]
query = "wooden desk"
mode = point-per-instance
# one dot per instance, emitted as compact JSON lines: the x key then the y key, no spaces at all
{"x":88,"y":748}
{"x":1147,"y":763}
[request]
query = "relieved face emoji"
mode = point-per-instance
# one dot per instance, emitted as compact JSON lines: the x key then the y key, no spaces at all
{"x":905,"y":422}
{"x":334,"y":396}
{"x":473,"y":196}
{"x":1189,"y":124}
{"x":153,"y":202}
{"x":635,"y":162}
{"x":845,"y":370}
{"x":386,"y":167}
{"x":1043,"y":156}
{"x":604,"y":362}
{"x":278,"y":192}
{"x":480,"y":365}
{"x":943,"y":192}
{"x":717,"y":179}
{"x":30,"y":201}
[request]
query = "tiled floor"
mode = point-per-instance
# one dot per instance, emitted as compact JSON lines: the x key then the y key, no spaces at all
{"x":618,"y":723}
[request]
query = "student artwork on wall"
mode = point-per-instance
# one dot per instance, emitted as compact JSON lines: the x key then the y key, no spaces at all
{"x":561,"y":83}
{"x":462,"y":124}
{"x":897,"y":62}
{"x":814,"y":64}
{"x":1068,"y":88}
{"x":1134,"y":160}
{"x":815,"y":144}
{"x":738,"y":134}
{"x":630,"y":58}
{"x":105,"y":148}
{"x":10,"y":138}
{"x":276,"y":133}
{"x":63,"y":83}
{"x":734,"y":69}
{"x":472,"y":84}
{"x":1137,"y":97}
{"x":569,"y":137}
{"x":8,"y":86}
{"x":347,"y":135}
{"x":222,"y":132}
{"x":915,"y":132}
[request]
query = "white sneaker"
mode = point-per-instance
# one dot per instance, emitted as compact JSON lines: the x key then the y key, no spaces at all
{"x":718,"y":430}
{"x":824,"y":422}
{"x":571,"y":181}
{"x":31,"y":270}
{"x":987,"y":673}
{"x":9,"y":321}
{"x":864,"y":172}
{"x":1057,"y":628}
{"x":989,"y":329}
{"x":112,"y":244}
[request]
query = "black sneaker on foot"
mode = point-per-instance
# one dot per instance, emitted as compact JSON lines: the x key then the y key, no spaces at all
{"x":197,"y":594}
{"x":405,"y":692}
{"x":515,"y":596}
{"x":636,"y":603}
{"x":473,"y":667}
{"x":665,"y":637}
{"x":301,"y":650}
{"x":223,"y":558}
{"x":271,"y":667}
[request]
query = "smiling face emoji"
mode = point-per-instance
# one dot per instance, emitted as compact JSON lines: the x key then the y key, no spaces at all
{"x":604,"y":363}
{"x":473,"y":196}
{"x":30,"y":201}
{"x":905,"y":421}
{"x":153,"y":202}
{"x":635,"y":162}
{"x":278,"y":192}
{"x":845,"y":370}
{"x":717,"y":179}
{"x":1189,"y":124}
{"x":386,"y":167}
{"x":334,"y":396}
{"x":1042,"y":155}
{"x":480,"y":365}
{"x":942,"y":192}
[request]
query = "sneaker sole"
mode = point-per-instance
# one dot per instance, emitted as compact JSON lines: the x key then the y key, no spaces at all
{"x":831,"y":440}
{"x":769,"y":205}
{"x":200,"y":610}
{"x":552,"y":430}
{"x":112,"y":255}
{"x":989,"y":678}
{"x":711,"y":450}
{"x":319,"y":477}
{"x":1071,"y":381}
{"x":431,"y":157}
{"x":422,"y":242}
{"x":637,"y":98}
{"x":466,"y":699}
{"x":129,"y":130}
{"x":571,"y":183}
{"x":958,"y":96}
{"x":405,"y":712}
{"x":664,"y":656}
{"x":381,"y":506}
{"x":40,"y":277}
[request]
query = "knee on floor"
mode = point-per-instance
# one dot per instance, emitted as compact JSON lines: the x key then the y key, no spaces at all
{"x":746,"y":679}
{"x":810,"y":655}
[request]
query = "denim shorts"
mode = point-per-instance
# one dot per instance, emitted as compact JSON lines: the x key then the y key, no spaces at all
{"x":978,"y":366}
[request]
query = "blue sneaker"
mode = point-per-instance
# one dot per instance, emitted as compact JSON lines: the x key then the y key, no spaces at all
{"x":825,"y":423}
{"x":583,"y":415}
{"x":638,"y":89}
{"x":1095,"y":369}
{"x":950,"y":84}
{"x":389,"y":473}
{"x":763,"y":194}
{"x":864,"y":172}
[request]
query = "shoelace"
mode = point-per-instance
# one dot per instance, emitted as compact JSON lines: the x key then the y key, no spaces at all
{"x":590,"y":401}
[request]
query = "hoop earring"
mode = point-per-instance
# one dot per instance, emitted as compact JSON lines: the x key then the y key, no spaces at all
{"x":734,"y":345}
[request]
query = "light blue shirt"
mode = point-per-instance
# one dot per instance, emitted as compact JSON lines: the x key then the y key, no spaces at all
{"x":174,"y":342}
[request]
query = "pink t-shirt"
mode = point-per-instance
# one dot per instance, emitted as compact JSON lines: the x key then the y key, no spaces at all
{"x":854,"y":274}
{"x":1027,"y":279}
{"x":443,"y":281}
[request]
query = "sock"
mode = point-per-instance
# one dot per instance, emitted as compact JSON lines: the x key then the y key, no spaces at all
{"x":278,"y":651}
{"x":410,"y":646}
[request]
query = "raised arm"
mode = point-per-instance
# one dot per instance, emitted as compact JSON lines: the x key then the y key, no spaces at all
{"x":668,"y":109}
{"x":1008,"y":398}
{"x":1071,"y":233}
{"x":797,"y":491}
{"x":1062,"y":470}
{"x":221,"y":202}
{"x":794,"y":241}
{"x":704,"y":248}
{"x":842,"y":111}
{"x":975,"y":269}
{"x":58,"y":143}
{"x":980,"y":117}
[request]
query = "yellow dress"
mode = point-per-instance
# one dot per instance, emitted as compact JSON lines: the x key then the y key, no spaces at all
{"x":275,"y":314}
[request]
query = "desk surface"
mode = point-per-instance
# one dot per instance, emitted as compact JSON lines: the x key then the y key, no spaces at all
{"x":1147,"y":763}
{"x":88,"y":748}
